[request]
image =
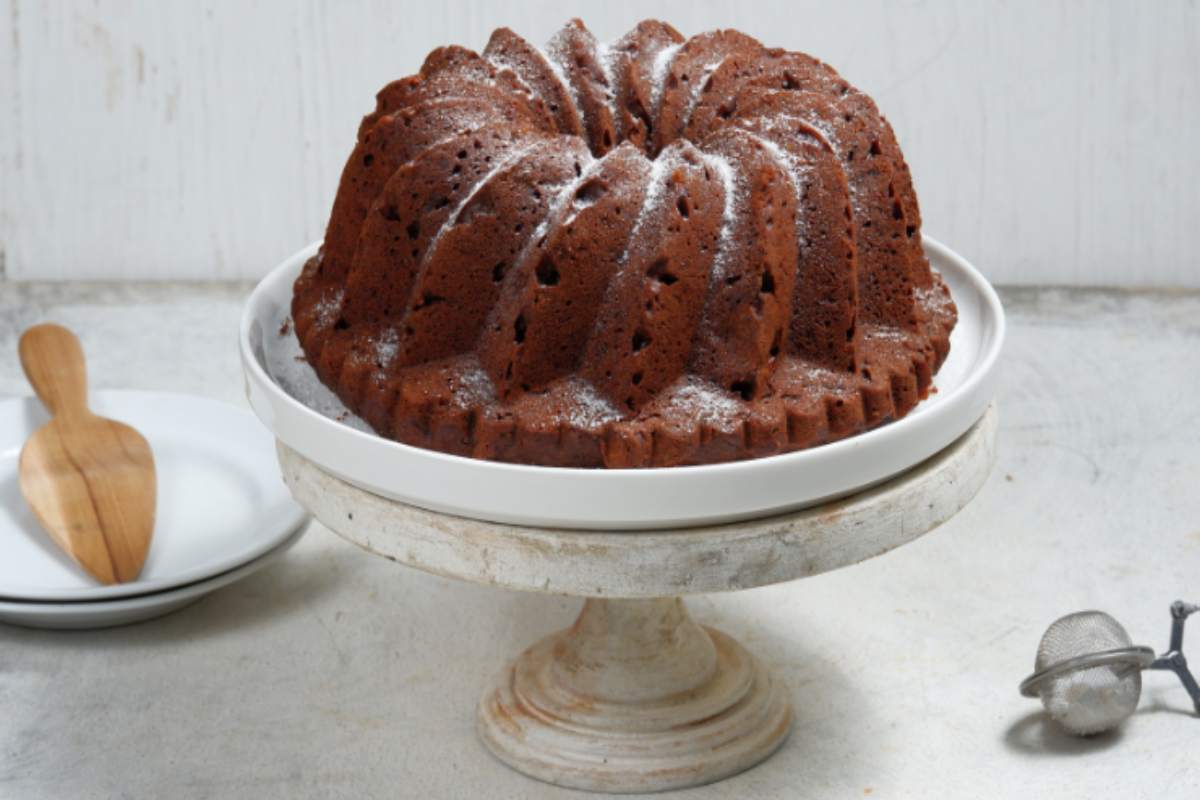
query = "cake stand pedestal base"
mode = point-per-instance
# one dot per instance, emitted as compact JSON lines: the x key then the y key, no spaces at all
{"x":634,"y":697}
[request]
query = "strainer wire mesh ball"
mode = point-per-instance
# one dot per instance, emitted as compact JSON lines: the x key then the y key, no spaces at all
{"x":1088,"y":673}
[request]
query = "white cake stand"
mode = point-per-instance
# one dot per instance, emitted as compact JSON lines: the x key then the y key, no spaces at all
{"x":636,"y":696}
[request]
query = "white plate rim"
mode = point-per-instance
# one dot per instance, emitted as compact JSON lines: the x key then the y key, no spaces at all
{"x":296,"y":517}
{"x":196,"y":589}
{"x":662,"y":493}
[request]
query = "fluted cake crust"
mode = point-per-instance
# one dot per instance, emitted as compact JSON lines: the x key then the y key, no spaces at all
{"x":653,"y":253}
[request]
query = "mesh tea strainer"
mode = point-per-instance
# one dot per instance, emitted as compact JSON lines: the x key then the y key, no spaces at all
{"x":1088,"y":672}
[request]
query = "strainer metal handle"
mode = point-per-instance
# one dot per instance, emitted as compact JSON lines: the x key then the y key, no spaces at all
{"x":1140,"y":657}
{"x":1174,"y":659}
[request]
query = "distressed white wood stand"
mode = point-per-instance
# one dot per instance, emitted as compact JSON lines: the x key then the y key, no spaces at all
{"x":636,"y":696}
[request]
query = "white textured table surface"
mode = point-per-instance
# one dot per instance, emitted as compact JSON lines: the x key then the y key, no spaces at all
{"x":336,"y":674}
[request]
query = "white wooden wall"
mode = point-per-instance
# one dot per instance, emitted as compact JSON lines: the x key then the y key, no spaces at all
{"x":1052,"y":142}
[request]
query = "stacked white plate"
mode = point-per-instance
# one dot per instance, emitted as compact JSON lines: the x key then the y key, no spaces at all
{"x":223,"y":513}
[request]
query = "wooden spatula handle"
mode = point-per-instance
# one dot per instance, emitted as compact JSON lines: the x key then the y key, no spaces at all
{"x":53,"y":362}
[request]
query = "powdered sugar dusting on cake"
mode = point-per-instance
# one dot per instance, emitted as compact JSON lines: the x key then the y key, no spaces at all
{"x":556,"y":55}
{"x":604,"y":56}
{"x":934,"y":297}
{"x":884,"y":333}
{"x":285,"y":362}
{"x":565,"y":194}
{"x":387,"y":344}
{"x":568,"y":195}
{"x":458,"y":119}
{"x":472,"y":387}
{"x":796,"y":170}
{"x":828,"y":136}
{"x":729,"y":217}
{"x":500,"y":60}
{"x":329,"y":307}
{"x":822,"y":127}
{"x":530,"y":93}
{"x":801,"y":372}
{"x":501,"y":63}
{"x":662,"y":63}
{"x":698,"y":90}
{"x":586,"y":408}
{"x":703,"y":401}
{"x":655,"y":188}
{"x":510,"y":158}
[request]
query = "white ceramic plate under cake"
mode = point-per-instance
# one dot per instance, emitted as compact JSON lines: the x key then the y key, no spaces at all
{"x":127,"y":610}
{"x":221,"y":502}
{"x":291,"y":402}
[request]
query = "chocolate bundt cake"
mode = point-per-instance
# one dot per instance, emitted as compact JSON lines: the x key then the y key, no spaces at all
{"x":659,"y":252}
